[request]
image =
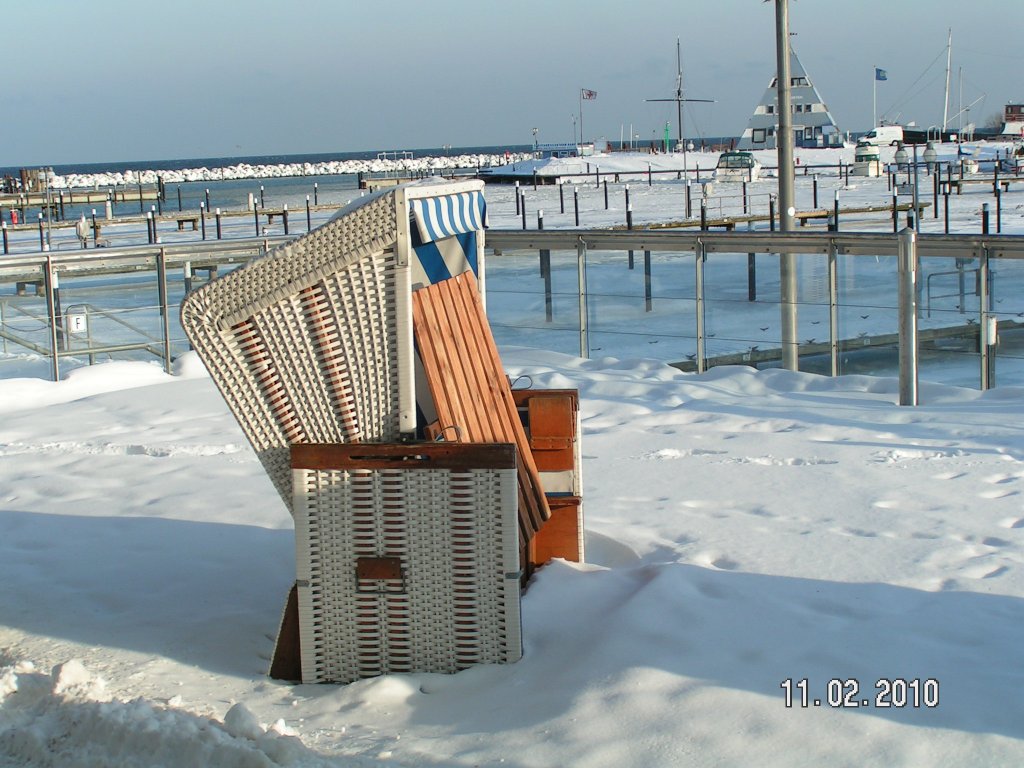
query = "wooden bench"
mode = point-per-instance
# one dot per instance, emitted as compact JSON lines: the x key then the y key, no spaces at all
{"x":1003,"y":181}
{"x":183,"y":220}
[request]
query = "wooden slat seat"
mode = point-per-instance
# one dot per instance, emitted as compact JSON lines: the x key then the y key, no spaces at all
{"x":468,"y":385}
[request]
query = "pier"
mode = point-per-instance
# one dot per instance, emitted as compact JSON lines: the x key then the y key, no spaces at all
{"x":79,"y":196}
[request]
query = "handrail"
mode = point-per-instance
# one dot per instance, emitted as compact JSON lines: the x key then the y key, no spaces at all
{"x":134,"y":256}
{"x":846,"y":243}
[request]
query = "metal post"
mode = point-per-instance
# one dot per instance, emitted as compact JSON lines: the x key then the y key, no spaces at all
{"x":262,"y":203}
{"x":515,"y":189}
{"x":7,"y":248}
{"x":186,"y":272}
{"x":629,"y":216}
{"x":699,"y":257}
{"x":787,"y":209}
{"x":814,"y":184}
{"x":606,"y":194}
{"x":95,"y":230}
{"x":689,"y":205}
{"x":745,"y":198}
{"x":907,"y":264}
{"x":179,"y":198}
{"x":523,"y":208}
{"x":202,"y":218}
{"x":50,"y":286}
{"x":999,"y":211}
{"x":561,"y":197}
{"x":984,"y":218}
{"x":703,"y":213}
{"x":316,"y":199}
{"x":751,"y":277}
{"x":256,"y":218}
{"x":149,"y":228}
{"x":142,"y":207}
{"x":991,"y":340}
{"x":545,"y":272}
{"x":42,"y":235}
{"x":534,"y":179}
{"x":576,"y":203}
{"x":771,"y":213}
{"x":895,"y":212}
{"x":309,"y":220}
{"x":161,"y":287}
{"x":917,"y":207}
{"x":581,"y":283}
{"x":835,"y":211}
{"x":284,"y":217}
{"x":648,"y":301}
{"x":987,"y":335}
{"x":833,"y":306}
{"x":945,"y":208}
{"x":217,"y":216}
{"x":935,"y":193}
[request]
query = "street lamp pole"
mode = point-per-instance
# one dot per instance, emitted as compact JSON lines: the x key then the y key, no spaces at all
{"x":917,"y":208}
{"x":787,"y":210}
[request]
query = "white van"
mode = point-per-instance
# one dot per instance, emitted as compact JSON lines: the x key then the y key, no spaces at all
{"x":884,"y":135}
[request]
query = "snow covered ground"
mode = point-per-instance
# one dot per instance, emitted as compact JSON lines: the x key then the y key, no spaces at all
{"x":752,"y":537}
{"x":743,"y":529}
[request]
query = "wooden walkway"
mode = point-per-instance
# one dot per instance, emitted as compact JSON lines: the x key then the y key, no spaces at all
{"x":78,"y":196}
{"x":184,"y":219}
{"x":821,"y":214}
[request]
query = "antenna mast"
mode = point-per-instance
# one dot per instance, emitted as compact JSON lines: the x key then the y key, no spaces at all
{"x":945,"y":103}
{"x":679,"y":99}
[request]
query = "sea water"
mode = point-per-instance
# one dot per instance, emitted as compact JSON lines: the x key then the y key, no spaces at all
{"x":233,"y":194}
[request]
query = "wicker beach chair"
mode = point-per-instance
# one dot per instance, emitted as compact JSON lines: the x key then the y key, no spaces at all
{"x":313,"y":345}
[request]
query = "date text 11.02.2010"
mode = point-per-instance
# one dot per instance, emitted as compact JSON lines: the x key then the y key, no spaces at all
{"x":848,"y":693}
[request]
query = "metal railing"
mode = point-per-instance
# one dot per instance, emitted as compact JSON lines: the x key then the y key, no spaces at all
{"x":703,"y":247}
{"x":689,"y":253}
{"x":43,"y":272}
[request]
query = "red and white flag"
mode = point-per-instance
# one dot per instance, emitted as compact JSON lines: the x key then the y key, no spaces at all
{"x":589,"y":94}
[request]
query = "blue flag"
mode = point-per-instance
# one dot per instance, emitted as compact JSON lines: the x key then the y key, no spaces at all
{"x":880,"y":74}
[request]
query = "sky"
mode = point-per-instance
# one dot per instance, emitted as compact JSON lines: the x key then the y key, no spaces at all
{"x":115,"y":80}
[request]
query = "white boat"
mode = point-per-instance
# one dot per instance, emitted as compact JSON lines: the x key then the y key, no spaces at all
{"x":737,"y":166}
{"x":865,"y":160}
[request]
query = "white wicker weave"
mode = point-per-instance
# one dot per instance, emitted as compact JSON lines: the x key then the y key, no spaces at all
{"x":449,"y":535}
{"x":303,"y":342}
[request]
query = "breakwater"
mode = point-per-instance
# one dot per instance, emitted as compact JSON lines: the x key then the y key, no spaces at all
{"x":378,"y":165}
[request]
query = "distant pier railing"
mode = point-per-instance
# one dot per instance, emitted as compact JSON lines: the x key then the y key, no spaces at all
{"x":696,"y":273}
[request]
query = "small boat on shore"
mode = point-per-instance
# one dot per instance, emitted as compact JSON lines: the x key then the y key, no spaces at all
{"x":866,"y":161}
{"x":737,"y":166}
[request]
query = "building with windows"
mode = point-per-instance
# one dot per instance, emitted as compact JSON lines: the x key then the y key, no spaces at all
{"x":1013,"y":120}
{"x":813,"y":125}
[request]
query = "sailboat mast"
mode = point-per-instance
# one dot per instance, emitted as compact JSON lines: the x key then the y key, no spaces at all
{"x":679,"y":93}
{"x":945,"y":103}
{"x":960,"y":106}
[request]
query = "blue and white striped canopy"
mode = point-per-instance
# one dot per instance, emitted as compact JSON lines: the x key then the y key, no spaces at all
{"x":440,"y":217}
